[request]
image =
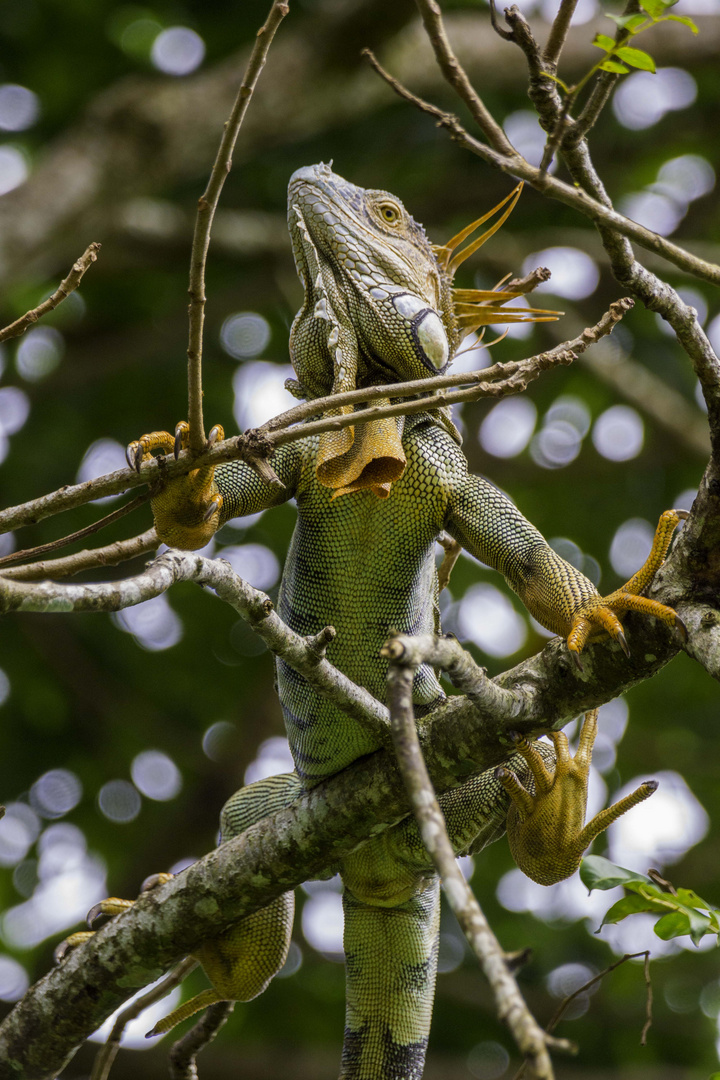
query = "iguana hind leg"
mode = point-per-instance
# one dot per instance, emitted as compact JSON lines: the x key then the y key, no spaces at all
{"x":546,"y":831}
{"x":242,"y":961}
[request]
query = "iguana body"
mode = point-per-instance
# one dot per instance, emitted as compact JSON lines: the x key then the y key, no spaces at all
{"x":371,"y":504}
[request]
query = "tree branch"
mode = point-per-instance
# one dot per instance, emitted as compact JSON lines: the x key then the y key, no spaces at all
{"x":66,"y":286}
{"x":110,"y":555}
{"x":530,"y":1038}
{"x":206,"y":211}
{"x":574,"y":197}
{"x":256,"y":445}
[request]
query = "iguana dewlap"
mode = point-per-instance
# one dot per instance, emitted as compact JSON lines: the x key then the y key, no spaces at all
{"x":371,"y":502}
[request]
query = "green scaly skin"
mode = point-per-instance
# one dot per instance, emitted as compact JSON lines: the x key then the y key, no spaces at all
{"x":377,"y":309}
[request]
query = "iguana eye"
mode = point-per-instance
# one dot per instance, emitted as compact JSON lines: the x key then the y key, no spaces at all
{"x":389,"y":213}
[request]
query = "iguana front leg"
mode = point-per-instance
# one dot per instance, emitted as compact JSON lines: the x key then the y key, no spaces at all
{"x":602,"y":614}
{"x":546,"y":831}
{"x":490,"y":526}
{"x":187,"y":509}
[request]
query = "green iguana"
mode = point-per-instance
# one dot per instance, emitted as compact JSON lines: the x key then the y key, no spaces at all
{"x":371,"y":502}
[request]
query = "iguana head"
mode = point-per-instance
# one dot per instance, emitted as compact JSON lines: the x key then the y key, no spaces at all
{"x":369,"y":274}
{"x":379,"y":308}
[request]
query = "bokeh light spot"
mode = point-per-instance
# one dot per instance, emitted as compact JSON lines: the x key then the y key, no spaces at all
{"x":119,"y":801}
{"x":555,"y":445}
{"x":14,"y":168}
{"x":244,"y":334}
{"x":507,"y":428}
{"x":322,"y":922}
{"x":19,"y":107}
{"x":14,"y":409}
{"x":14,"y":979}
{"x":488,"y":1061}
{"x":273,"y":757}
{"x":153,"y":623}
{"x":217,"y":740}
{"x":630,"y":546}
{"x":39,"y":353}
{"x":662,"y":828}
{"x":156,"y":775}
{"x":19,"y":830}
{"x":56,"y":793}
{"x":642,"y":99}
{"x":655,"y":210}
{"x":4,"y":687}
{"x":618,"y":433}
{"x":254,"y":563}
{"x":574,"y":274}
{"x":688,"y":177}
{"x":177,"y":50}
{"x":260,"y":393}
{"x":486,"y":617}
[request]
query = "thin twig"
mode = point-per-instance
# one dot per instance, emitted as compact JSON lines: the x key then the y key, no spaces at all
{"x":529,"y":1036}
{"x":261,"y":442}
{"x":648,"y":1002}
{"x":304,"y":654}
{"x":205,"y":213}
{"x":566,"y":1002}
{"x":558,"y":34}
{"x":89,"y":559}
{"x":575,"y":197}
{"x":452,"y":552}
{"x":68,"y":285}
{"x":108,"y":1052}
{"x":456,"y":76}
{"x":89,"y":530}
{"x":184,"y":1052}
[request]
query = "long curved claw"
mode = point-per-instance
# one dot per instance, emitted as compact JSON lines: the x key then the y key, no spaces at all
{"x":154,"y":880}
{"x":113,"y":905}
{"x":601,"y":613}
{"x":69,"y":943}
{"x":182,"y":431}
{"x":217,"y":434}
{"x":214,"y":506}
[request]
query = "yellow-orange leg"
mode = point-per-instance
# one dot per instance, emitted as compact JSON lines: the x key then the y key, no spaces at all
{"x":187,"y":508}
{"x":601,"y":613}
{"x":546,"y":832}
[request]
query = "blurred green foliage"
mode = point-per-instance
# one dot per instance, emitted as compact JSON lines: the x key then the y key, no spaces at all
{"x":84,"y":696}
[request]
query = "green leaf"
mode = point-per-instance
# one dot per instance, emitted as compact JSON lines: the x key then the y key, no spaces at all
{"x":674,"y":924}
{"x":686,"y":21}
{"x":599,"y":873}
{"x":629,"y":905}
{"x":610,"y":65}
{"x":630,"y":22}
{"x":636,"y":58}
{"x":604,"y":42}
{"x":678,"y":923}
{"x":654,"y":8}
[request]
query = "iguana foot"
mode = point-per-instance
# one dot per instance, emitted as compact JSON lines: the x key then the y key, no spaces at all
{"x":187,"y":508}
{"x":545,"y":830}
{"x":111,"y":906}
{"x":601,"y":613}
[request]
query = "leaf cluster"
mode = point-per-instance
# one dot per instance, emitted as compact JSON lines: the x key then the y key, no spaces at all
{"x":680,"y":911}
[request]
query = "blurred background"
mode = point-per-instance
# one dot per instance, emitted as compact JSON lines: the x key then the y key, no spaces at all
{"x":123,"y":735}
